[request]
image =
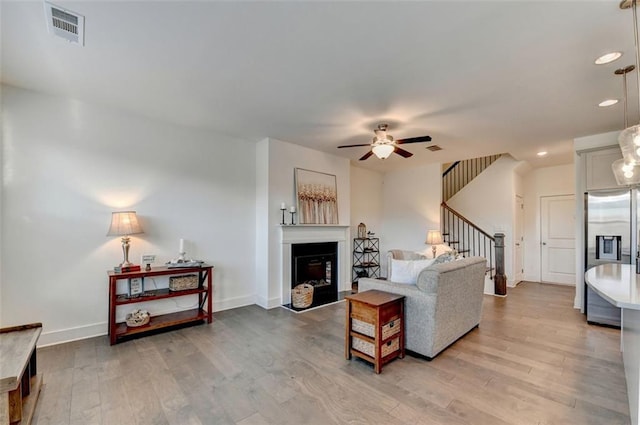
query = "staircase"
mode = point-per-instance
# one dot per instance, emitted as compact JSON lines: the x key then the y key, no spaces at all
{"x":460,"y":173}
{"x":467,"y":238}
{"x":460,"y":233}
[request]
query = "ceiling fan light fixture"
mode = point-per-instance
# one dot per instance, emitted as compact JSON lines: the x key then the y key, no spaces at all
{"x":383,"y":151}
{"x":608,"y":58}
{"x":382,"y":138}
{"x":383,"y":144}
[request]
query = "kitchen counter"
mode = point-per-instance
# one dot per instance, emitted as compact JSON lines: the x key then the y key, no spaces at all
{"x":617,"y":283}
{"x":620,"y":285}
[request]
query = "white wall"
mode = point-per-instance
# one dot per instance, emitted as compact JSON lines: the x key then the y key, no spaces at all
{"x":488,"y":201}
{"x":67,"y":165}
{"x":366,"y":200}
{"x":411,"y":206}
{"x":547,"y":181}
{"x":281,"y":159}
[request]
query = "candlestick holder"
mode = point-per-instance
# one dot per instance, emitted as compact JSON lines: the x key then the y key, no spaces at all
{"x":283,"y":210}
{"x":292,"y":221}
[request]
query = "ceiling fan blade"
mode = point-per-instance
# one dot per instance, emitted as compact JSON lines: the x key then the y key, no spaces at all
{"x":366,"y":155}
{"x":414,"y":140}
{"x":353,"y":146}
{"x":402,"y":152}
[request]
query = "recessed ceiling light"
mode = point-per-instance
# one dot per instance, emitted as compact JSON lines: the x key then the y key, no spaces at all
{"x":608,"y":58}
{"x":542,"y":153}
{"x":607,"y":102}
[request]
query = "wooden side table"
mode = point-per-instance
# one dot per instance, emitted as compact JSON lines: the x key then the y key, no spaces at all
{"x":118,"y":331}
{"x":374,"y":329}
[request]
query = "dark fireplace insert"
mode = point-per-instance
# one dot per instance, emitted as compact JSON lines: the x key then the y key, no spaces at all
{"x":317,"y":265}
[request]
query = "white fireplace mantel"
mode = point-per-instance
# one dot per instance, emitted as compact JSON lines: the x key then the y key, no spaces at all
{"x":310,"y":233}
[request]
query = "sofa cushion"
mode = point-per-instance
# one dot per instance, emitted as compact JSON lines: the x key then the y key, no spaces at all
{"x":406,"y":271}
{"x":428,"y":278}
{"x":400,"y":254}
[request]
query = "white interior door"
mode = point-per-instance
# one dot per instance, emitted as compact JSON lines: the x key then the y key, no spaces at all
{"x":519,"y":240}
{"x":557,"y":260}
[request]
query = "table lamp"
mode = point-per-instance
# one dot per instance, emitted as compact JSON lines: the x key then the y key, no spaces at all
{"x":124,"y":223}
{"x":434,"y":237}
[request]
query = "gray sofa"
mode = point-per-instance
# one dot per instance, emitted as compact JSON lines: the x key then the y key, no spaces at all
{"x":444,"y":304}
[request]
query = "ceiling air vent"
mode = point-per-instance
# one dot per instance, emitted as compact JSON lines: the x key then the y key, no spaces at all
{"x":434,"y":148}
{"x":64,"y":23}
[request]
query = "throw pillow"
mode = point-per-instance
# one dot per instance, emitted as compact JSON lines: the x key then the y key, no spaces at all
{"x":406,"y":271}
{"x":444,"y":258}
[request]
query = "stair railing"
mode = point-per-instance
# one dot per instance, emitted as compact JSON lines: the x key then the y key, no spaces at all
{"x":470,"y":240}
{"x":460,"y":173}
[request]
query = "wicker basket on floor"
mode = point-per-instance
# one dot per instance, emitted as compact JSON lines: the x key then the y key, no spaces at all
{"x":302,"y":295}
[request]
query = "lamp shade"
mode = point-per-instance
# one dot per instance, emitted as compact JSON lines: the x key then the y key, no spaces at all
{"x":434,"y":237}
{"x":124,"y":223}
{"x":383,"y":151}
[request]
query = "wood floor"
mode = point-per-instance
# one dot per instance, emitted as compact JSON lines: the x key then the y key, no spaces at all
{"x":533,"y":360}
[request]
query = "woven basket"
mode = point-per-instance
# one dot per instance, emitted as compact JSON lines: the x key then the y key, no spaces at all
{"x":369,"y":348}
{"x":184,"y":282}
{"x":137,"y":318}
{"x":302,"y":295}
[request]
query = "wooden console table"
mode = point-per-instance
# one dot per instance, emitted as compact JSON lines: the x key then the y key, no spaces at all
{"x":205,"y":294}
{"x":374,"y":329}
{"x":19,"y":382}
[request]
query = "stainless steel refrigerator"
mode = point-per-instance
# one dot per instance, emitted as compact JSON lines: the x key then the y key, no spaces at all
{"x":610,"y":237}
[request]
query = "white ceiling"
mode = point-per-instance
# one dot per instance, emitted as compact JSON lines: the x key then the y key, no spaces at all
{"x":479,"y":77}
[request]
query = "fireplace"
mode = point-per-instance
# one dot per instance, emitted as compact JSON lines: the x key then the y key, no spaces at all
{"x":316,"y":264}
{"x":310,"y":234}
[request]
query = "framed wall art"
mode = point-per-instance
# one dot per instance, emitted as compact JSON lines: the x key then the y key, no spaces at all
{"x":317,"y":197}
{"x":136,"y":286}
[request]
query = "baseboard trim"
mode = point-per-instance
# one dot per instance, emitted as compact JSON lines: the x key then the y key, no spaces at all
{"x":72,"y":334}
{"x":236,"y":302}
{"x":268,"y":304}
{"x":62,"y":336}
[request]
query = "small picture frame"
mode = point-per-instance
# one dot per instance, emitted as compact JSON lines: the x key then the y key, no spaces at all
{"x":136,"y":286}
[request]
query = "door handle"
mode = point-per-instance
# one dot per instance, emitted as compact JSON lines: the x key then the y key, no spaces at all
{"x":544,"y":243}
{"x":517,"y":244}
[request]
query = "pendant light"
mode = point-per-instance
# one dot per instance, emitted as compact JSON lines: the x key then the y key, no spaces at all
{"x":627,"y":169}
{"x":629,"y":138}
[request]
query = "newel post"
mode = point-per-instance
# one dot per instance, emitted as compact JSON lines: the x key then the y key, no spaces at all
{"x":500,"y":282}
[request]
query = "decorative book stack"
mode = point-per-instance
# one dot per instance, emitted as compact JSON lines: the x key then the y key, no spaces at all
{"x":126,"y":269}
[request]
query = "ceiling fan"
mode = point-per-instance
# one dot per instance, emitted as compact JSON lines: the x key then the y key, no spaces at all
{"x":383,"y":144}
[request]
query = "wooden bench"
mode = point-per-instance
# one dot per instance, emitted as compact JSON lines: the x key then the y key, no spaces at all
{"x":19,"y":382}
